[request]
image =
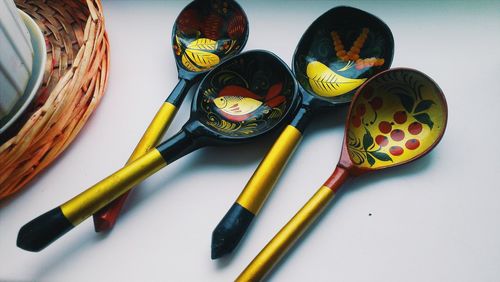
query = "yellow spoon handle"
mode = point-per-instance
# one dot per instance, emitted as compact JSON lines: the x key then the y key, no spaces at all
{"x":106,"y":217}
{"x":45,"y":229}
{"x":155,"y":130}
{"x":231,"y":229}
{"x":162,"y":120}
{"x":262,"y":181}
{"x":91,"y":200}
{"x":262,"y":264}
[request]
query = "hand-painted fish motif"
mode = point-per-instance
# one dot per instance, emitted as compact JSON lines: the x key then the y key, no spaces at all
{"x":237,"y":103}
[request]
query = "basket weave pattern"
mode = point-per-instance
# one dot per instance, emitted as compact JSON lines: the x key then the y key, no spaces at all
{"x":75,"y":77}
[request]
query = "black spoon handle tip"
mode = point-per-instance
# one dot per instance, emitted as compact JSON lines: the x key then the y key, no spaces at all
{"x":37,"y":234}
{"x":230,"y":230}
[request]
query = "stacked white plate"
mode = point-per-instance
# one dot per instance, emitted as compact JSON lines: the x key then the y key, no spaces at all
{"x":22,"y":59}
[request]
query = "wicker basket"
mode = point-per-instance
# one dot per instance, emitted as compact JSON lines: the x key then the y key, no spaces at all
{"x":74,"y":81}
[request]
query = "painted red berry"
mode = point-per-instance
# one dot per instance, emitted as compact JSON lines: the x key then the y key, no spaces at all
{"x":368,"y":92}
{"x":382,"y":140}
{"x":396,"y":151}
{"x":415,"y":128}
{"x":188,"y":22}
{"x":400,"y":117}
{"x":236,"y":26}
{"x":361,"y":110}
{"x":356,"y":121}
{"x":397,"y":135}
{"x":376,"y":103}
{"x":385,"y":127}
{"x":412,"y":144}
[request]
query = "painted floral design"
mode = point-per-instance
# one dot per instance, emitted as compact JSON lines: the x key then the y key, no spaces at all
{"x":205,"y":34}
{"x":365,"y":149}
{"x":343,"y":60}
{"x":394,"y":119}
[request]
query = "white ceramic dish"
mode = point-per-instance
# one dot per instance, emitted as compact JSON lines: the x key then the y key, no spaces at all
{"x":16,"y":56}
{"x":39,"y":59}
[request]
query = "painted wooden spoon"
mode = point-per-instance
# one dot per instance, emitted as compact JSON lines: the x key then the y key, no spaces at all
{"x":395,"y":118}
{"x":204,"y":34}
{"x":337,"y":53}
{"x":257,"y":82}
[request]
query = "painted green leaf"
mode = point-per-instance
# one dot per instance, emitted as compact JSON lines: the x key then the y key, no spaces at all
{"x":425,"y":119}
{"x":367,"y":139}
{"x":381,"y":156}
{"x":178,"y":43}
{"x":370,"y":159}
{"x":423,"y":105}
{"x":406,"y":101}
{"x":355,"y":142}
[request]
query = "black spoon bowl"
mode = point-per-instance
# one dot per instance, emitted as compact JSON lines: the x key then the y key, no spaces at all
{"x":337,"y":54}
{"x":257,"y":82}
{"x":204,"y":34}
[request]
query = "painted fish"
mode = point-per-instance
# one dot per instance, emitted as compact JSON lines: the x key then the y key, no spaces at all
{"x":237,"y":103}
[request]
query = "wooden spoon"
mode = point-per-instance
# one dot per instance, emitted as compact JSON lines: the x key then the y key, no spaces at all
{"x":257,"y":82}
{"x":395,"y":118}
{"x":204,"y":34}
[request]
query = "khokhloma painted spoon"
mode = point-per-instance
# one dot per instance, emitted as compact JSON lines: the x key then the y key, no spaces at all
{"x":243,"y":98}
{"x":205,"y":33}
{"x":339,"y":51}
{"x":395,"y":118}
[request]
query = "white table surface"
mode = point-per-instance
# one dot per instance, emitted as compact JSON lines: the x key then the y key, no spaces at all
{"x":433,"y":220}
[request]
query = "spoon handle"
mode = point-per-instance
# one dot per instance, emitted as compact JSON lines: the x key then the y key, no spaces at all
{"x":45,"y":229}
{"x":105,"y":218}
{"x":234,"y":224}
{"x":283,"y":241}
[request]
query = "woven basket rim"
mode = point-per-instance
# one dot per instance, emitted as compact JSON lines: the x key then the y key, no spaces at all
{"x":76,"y":74}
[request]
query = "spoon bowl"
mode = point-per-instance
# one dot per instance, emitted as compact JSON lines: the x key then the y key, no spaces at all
{"x":245,"y":98}
{"x":205,"y":32}
{"x":397,"y":117}
{"x":340,"y":51}
{"x":408,"y":101}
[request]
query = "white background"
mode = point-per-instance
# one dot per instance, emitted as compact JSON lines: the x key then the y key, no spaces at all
{"x":433,"y":220}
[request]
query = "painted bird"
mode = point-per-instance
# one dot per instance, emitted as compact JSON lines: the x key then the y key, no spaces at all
{"x":237,"y":103}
